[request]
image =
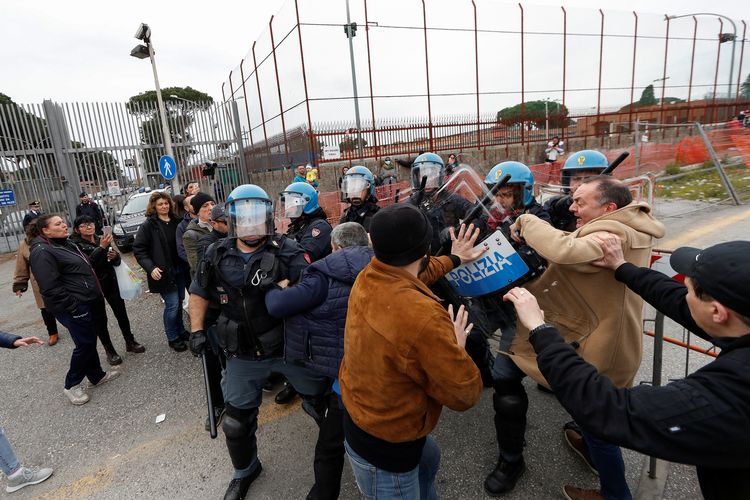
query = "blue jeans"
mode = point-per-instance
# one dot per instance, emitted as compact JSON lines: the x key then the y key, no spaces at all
{"x":8,"y":461}
{"x":173,"y":325}
{"x":608,"y":461}
{"x":419,"y":482}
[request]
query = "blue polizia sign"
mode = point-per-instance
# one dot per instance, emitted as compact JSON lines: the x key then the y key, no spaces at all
{"x":497,"y":268}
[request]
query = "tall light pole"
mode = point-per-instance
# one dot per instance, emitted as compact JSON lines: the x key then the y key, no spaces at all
{"x":141,"y":52}
{"x":721,"y":40}
{"x":351,"y":30}
{"x":546,"y":114}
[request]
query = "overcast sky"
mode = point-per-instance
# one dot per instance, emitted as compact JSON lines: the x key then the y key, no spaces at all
{"x":79,"y":50}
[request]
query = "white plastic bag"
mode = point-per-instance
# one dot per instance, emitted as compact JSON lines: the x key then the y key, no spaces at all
{"x":129,"y":283}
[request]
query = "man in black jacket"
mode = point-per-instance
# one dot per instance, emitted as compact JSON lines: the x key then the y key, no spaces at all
{"x":702,"y":419}
{"x":93,"y":210}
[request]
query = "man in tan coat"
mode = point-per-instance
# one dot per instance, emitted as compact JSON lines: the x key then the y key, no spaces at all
{"x":592,"y":310}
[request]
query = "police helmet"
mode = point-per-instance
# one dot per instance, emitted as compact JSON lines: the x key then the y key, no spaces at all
{"x":299,"y":198}
{"x":356,"y":180}
{"x":431,"y":166}
{"x":588,"y":159}
{"x":249,"y":213}
{"x":520,"y":175}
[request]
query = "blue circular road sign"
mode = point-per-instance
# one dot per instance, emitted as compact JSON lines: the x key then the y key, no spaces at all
{"x":167,"y":167}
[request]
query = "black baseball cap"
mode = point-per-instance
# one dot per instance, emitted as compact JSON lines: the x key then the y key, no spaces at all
{"x":722,"y":270}
{"x":217,"y":214}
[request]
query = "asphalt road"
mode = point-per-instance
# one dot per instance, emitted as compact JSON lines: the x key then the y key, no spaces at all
{"x":112,"y":448}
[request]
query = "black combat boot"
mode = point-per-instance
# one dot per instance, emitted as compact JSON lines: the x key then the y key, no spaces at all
{"x":238,"y":487}
{"x":510,"y":402}
{"x":112,"y":357}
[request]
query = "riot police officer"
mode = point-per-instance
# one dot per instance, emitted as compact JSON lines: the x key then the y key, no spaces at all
{"x":513,"y":199}
{"x":577,"y":167}
{"x":358,"y":189}
{"x":309,"y":226}
{"x":443,"y":213}
{"x":236,"y":272}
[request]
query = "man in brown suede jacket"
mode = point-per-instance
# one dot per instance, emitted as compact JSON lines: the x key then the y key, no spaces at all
{"x":404,"y":357}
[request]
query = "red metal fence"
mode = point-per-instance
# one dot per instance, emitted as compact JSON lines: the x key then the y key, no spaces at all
{"x":456,"y":65}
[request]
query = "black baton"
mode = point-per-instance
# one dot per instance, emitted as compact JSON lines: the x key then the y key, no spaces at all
{"x":209,"y":400}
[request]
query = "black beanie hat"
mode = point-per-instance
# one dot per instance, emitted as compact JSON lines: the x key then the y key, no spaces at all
{"x":400,"y":234}
{"x":198,"y":200}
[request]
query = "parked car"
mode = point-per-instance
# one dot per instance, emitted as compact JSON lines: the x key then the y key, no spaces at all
{"x":129,"y":219}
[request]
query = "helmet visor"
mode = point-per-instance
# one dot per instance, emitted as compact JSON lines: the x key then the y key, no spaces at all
{"x":250,"y":218}
{"x":353,"y":186}
{"x":432,"y":171}
{"x":294,"y":204}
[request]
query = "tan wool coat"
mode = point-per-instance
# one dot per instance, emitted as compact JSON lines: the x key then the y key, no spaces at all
{"x":23,"y":274}
{"x":585,"y":302}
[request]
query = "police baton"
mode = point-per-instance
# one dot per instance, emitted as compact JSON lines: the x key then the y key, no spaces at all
{"x":209,"y":400}
{"x":398,"y":193}
{"x":614,"y":164}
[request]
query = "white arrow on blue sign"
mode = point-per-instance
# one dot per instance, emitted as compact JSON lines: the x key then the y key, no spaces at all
{"x":167,"y":167}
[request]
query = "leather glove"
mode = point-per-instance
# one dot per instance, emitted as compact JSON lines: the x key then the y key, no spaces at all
{"x":198,"y":343}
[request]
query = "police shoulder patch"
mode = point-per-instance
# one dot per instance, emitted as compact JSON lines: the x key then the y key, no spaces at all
{"x":315,"y":232}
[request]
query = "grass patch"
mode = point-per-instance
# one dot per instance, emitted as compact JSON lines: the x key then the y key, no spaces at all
{"x":704,"y":185}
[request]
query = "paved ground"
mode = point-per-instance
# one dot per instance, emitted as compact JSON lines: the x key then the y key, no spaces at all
{"x":112,"y":448}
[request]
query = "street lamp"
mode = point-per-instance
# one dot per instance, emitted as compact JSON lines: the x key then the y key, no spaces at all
{"x":142,"y":52}
{"x":546,"y":114}
{"x":350,"y":29}
{"x":723,"y":37}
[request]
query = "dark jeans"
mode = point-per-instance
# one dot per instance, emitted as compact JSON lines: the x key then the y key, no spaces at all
{"x":329,"y":453}
{"x":608,"y":461}
{"x":121,"y":314}
{"x":84,"y":363}
{"x":49,"y":321}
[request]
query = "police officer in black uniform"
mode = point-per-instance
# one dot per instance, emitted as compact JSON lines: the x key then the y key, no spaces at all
{"x":236,"y":272}
{"x":358,"y":189}
{"x":443,"y":213}
{"x":309,"y":226}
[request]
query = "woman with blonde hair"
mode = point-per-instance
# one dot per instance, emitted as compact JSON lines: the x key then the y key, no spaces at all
{"x":155,"y":249}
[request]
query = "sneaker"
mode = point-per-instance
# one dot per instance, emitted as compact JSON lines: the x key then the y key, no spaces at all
{"x":110,"y":375}
{"x":77,"y":395}
{"x":578,"y":445}
{"x":218,"y":415}
{"x":238,"y":487}
{"x":26,"y":477}
{"x":504,"y":477}
{"x":573,"y":493}
{"x":178,"y":345}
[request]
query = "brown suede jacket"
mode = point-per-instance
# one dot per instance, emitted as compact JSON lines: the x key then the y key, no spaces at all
{"x":401,"y":359}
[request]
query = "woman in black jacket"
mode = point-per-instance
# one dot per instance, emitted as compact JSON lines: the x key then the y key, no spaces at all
{"x":71,"y":292}
{"x":155,"y":249}
{"x":103,"y":258}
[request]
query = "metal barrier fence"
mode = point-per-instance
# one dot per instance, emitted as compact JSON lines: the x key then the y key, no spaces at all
{"x":476,"y":74}
{"x":53,"y":151}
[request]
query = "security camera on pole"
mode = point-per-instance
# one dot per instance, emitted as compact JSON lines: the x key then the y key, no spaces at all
{"x":142,"y":52}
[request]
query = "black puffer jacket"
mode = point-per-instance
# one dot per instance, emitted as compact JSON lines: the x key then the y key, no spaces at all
{"x":64,"y":274}
{"x":151,"y":250}
{"x":104,"y":268}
